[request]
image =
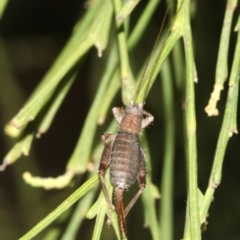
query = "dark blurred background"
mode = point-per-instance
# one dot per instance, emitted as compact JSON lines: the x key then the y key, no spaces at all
{"x":32,"y":33}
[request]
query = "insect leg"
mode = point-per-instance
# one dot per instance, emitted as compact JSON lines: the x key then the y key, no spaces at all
{"x":141,"y":177}
{"x":108,"y":137}
{"x":147,"y":120}
{"x":104,"y":163}
{"x":118,"y":114}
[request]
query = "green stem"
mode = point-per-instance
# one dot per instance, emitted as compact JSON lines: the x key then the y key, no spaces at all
{"x":3,"y":4}
{"x":149,"y":196}
{"x":191,"y":128}
{"x":166,"y":203}
{"x":222,"y":62}
{"x":61,"y":208}
{"x":142,"y":23}
{"x":128,"y":82}
{"x":228,"y":128}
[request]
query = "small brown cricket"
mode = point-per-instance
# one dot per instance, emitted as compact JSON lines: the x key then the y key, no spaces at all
{"x":126,"y":158}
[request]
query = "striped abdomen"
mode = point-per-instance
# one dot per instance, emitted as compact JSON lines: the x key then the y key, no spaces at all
{"x":125,"y":160}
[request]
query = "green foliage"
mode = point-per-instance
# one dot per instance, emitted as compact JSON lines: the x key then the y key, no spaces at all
{"x":106,"y":25}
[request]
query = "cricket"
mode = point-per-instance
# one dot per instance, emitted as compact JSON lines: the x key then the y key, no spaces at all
{"x":123,"y":153}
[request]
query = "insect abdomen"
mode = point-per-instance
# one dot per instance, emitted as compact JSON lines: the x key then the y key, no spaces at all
{"x":124,"y":162}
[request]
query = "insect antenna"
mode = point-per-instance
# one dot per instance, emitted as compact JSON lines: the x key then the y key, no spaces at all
{"x":148,"y":61}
